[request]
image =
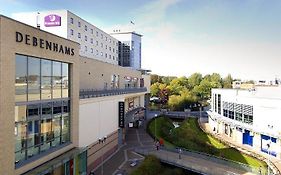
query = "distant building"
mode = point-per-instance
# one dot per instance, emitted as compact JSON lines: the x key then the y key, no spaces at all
{"x":130,"y":43}
{"x":250,"y":117}
{"x":94,"y":43}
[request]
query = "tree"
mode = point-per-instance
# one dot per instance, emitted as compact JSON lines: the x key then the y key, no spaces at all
{"x":155,"y":78}
{"x":194,"y":80}
{"x":227,"y":81}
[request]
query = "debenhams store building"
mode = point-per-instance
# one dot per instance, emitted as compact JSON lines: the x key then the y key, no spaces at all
{"x":39,"y":98}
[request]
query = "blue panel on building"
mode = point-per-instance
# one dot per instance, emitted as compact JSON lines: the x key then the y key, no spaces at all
{"x":265,"y":140}
{"x":247,"y":138}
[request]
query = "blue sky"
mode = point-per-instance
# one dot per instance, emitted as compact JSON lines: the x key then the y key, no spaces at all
{"x":241,"y":37}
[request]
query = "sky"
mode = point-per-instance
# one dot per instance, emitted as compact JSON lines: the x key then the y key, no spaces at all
{"x":180,"y":37}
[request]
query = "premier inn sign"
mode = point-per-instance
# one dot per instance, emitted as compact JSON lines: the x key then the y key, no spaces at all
{"x":43,"y":44}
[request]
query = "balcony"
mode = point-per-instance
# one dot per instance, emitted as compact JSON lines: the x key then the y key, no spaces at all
{"x":92,"y":93}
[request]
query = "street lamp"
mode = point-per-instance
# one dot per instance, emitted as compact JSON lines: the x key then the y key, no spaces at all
{"x":155,"y":116}
{"x":268,"y":146}
{"x":102,"y":141}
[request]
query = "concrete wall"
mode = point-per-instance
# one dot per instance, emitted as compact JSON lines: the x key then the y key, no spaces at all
{"x":95,"y":74}
{"x":8,"y":49}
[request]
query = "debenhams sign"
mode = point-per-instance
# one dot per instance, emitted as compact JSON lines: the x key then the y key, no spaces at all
{"x":44,"y":44}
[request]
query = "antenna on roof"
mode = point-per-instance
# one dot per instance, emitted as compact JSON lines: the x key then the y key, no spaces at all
{"x":38,"y":20}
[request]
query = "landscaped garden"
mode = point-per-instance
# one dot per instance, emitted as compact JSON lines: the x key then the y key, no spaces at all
{"x":152,"y":166}
{"x":190,"y":136}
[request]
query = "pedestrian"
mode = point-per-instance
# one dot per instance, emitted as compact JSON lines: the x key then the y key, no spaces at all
{"x":260,"y":170}
{"x":157,"y":145}
{"x":180,"y":152}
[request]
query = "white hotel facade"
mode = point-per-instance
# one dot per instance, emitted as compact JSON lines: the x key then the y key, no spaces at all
{"x":94,"y":42}
{"x":250,"y":117}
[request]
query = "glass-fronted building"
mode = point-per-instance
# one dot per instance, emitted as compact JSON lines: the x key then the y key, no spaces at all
{"x":39,"y":101}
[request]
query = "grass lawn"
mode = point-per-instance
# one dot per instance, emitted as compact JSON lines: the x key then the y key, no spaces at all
{"x":190,"y":136}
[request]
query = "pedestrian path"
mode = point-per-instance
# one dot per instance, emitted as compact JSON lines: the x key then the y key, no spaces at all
{"x":198,"y":163}
{"x":275,"y":163}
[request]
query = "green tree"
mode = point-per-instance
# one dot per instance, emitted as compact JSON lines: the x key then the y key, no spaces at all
{"x":155,"y":78}
{"x":194,"y":80}
{"x":227,"y":81}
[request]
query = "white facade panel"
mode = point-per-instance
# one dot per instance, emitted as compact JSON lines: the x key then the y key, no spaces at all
{"x":98,"y":117}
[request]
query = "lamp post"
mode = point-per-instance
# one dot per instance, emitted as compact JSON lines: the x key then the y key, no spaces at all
{"x":102,"y":141}
{"x":268,"y":146}
{"x":155,"y":116}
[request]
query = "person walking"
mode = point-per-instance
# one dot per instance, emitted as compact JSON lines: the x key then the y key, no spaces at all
{"x":180,"y":152}
{"x":157,"y":145}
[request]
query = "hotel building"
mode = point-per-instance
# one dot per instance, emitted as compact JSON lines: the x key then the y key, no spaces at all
{"x":129,"y":48}
{"x":94,"y":43}
{"x":56,"y":105}
{"x":249,"y":116}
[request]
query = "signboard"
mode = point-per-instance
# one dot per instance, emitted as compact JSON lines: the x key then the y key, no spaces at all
{"x":52,"y":20}
{"x":121,"y":114}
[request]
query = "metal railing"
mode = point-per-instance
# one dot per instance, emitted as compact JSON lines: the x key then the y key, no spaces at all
{"x":229,"y":163}
{"x":93,"y":93}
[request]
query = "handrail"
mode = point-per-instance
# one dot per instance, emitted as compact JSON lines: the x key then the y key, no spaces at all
{"x":92,"y":93}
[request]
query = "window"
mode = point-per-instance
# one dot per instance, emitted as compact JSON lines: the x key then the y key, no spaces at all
{"x":79,"y":24}
{"x":109,"y":40}
{"x":92,"y":31}
{"x":57,"y":80}
{"x":101,"y":35}
{"x":34,"y":79}
{"x":215,"y":102}
{"x":92,"y":40}
{"x":97,"y":33}
{"x":106,"y":38}
{"x":113,"y":42}
{"x":79,"y":35}
{"x":86,"y":48}
{"x":109,"y":48}
{"x":219,"y":103}
{"x":105,"y":46}
{"x":86,"y":28}
{"x":39,"y":125}
{"x":113,"y":50}
{"x":105,"y":55}
{"x":97,"y":43}
{"x":97,"y":52}
{"x":71,"y":20}
{"x":46,"y":80}
{"x":21,"y":78}
{"x":86,"y":38}
{"x":71,"y":31}
{"x":101,"y":44}
{"x":109,"y":56}
{"x":101,"y":53}
{"x":92,"y":50}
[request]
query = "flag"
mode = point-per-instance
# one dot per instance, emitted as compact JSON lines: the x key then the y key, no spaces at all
{"x":132,"y":23}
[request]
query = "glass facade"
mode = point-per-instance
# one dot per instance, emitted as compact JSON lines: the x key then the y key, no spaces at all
{"x":42,"y":109}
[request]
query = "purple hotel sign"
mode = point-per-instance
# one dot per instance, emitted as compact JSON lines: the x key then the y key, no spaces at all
{"x":52,"y":20}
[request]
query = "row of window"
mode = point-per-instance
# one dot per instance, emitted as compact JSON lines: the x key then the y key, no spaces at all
{"x":40,"y":79}
{"x":102,"y":36}
{"x":97,"y":42}
{"x":239,"y":112}
{"x":101,"y":53}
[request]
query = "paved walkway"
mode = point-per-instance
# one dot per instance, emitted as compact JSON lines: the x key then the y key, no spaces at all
{"x":119,"y":162}
{"x":275,"y":163}
{"x":196,"y":164}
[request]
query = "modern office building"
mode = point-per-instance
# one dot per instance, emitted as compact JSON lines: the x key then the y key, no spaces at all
{"x":60,"y":113}
{"x":130,"y":42}
{"x":249,"y":116}
{"x":94,"y":43}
